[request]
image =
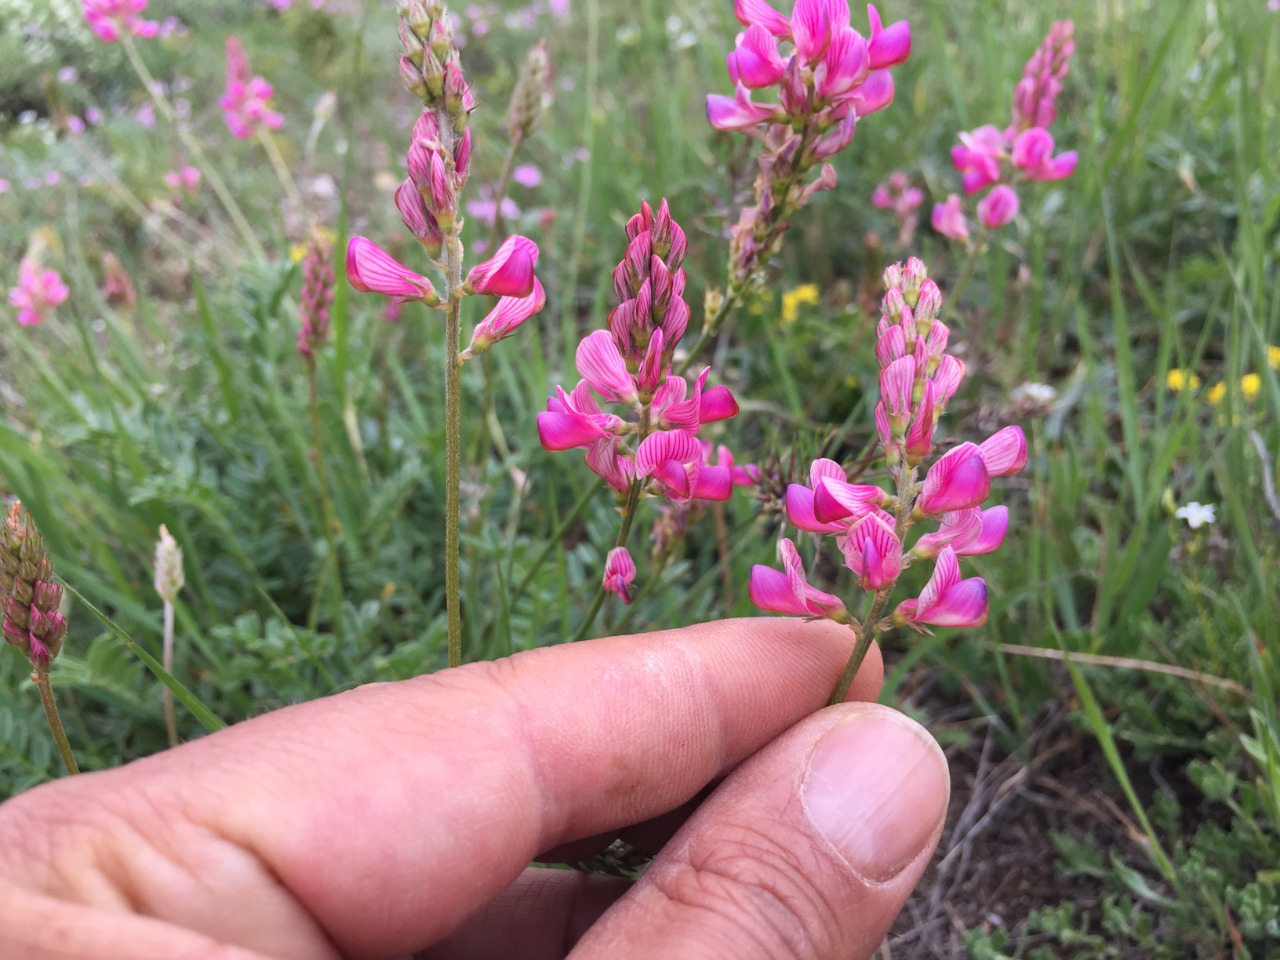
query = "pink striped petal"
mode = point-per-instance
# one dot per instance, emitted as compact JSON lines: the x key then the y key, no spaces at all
{"x":505,"y":318}
{"x":875,"y":93}
{"x":845,"y":65}
{"x":601,"y":364}
{"x":509,"y":272}
{"x":825,"y":469}
{"x":1004,"y":452}
{"x":998,"y":207}
{"x":665,"y":445}
{"x":564,"y":431}
{"x":619,"y":573}
{"x":717,"y":404}
{"x":799,"y":504}
{"x":837,"y":500}
{"x":955,"y":482}
{"x":370,"y":269}
{"x":751,"y":12}
{"x":955,"y":529}
{"x":994,"y":526}
{"x":737,"y":112}
{"x":890,"y":45}
{"x":755,"y":62}
{"x":603,"y":460}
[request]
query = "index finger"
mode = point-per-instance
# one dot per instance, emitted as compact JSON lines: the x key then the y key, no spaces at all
{"x":393,"y":811}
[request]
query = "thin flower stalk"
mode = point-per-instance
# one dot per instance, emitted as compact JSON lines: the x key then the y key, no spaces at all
{"x":918,"y":378}
{"x":429,"y":200}
{"x":33,"y":622}
{"x":830,"y":76}
{"x":170,"y":579}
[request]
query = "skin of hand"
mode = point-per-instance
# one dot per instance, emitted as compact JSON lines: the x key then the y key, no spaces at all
{"x":400,"y":819}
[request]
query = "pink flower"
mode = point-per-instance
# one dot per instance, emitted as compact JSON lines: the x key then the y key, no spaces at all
{"x":979,"y":157}
{"x":946,"y":600}
{"x":800,"y":499}
{"x":504,"y":319}
{"x":38,"y":293}
{"x":509,"y":272}
{"x":1004,"y":452}
{"x":246,"y":104}
{"x":184,"y":179}
{"x":738,"y":112}
{"x":788,"y":590}
{"x":108,"y":19}
{"x":998,"y":207}
{"x":527,"y":175}
{"x":619,"y":573}
{"x":755,"y":62}
{"x":673,"y":458}
{"x":1032,"y":154}
{"x":957,"y":481}
{"x":873,"y":551}
{"x":949,"y":219}
{"x":574,"y":420}
{"x":370,"y":269}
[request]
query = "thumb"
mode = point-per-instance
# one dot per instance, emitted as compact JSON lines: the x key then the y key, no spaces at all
{"x":809,"y":849}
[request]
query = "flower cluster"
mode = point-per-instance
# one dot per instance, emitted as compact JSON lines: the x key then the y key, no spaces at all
{"x":246,"y":104}
{"x":897,"y":194}
{"x":108,"y":19}
{"x":28,"y":592}
{"x":184,"y":181}
{"x":917,"y":380}
{"x":317,"y":294}
{"x":1023,"y":151}
{"x":654,"y":450}
{"x":827,"y":76}
{"x":38,"y":293}
{"x":439,"y":160}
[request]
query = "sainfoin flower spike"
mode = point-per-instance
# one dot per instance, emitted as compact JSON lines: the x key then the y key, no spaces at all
{"x":1000,"y":159}
{"x":649,"y":447}
{"x":108,"y":19}
{"x":317,"y":295}
{"x":871,"y":525}
{"x":38,"y":293}
{"x":246,"y":103}
{"x":825,"y":75}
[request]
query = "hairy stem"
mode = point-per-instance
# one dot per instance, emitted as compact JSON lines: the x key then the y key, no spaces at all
{"x":453,"y":447}
{"x":41,"y":679}
{"x":170,"y":718}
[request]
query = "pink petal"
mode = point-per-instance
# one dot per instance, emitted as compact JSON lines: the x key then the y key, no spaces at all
{"x":712,"y":483}
{"x":890,"y":45}
{"x":751,"y":12}
{"x":717,"y":404}
{"x":371,"y":269}
{"x":1032,"y":149}
{"x":770,"y":590}
{"x":998,"y":207}
{"x":600,"y":363}
{"x":995,"y":523}
{"x":957,"y":481}
{"x":755,"y":62}
{"x":737,"y":112}
{"x":963,"y":605}
{"x":503,"y":320}
{"x":619,"y":573}
{"x":837,"y":500}
{"x":876,"y":93}
{"x":509,"y":272}
{"x":564,"y":431}
{"x":1004,"y":452}
{"x":665,"y":445}
{"x":800,"y":511}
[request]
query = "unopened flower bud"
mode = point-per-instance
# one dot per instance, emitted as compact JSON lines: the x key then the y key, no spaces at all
{"x":169,"y":573}
{"x":532,"y":93}
{"x":414,"y":13}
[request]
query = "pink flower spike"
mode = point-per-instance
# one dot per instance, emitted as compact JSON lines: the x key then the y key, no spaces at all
{"x":509,"y":272}
{"x":890,"y":45}
{"x":920,"y":433}
{"x":737,"y":112}
{"x":38,"y":293}
{"x":788,"y":590}
{"x":372,"y":270}
{"x":504,"y":319}
{"x":998,"y":207}
{"x":957,"y":481}
{"x":1004,"y":452}
{"x":949,"y":219}
{"x":619,"y":573}
{"x":755,"y":62}
{"x":946,"y":600}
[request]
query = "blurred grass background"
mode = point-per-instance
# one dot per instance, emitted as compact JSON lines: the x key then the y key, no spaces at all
{"x":1105,"y":805}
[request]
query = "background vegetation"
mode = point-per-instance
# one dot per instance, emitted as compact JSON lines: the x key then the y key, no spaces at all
{"x":1113,"y":729}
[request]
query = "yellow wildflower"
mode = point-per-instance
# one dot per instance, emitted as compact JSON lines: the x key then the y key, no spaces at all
{"x":1273,"y":357}
{"x":1250,"y":384}
{"x":1179,"y":380}
{"x":1216,"y":393}
{"x":807,"y":294}
{"x":323,"y":234}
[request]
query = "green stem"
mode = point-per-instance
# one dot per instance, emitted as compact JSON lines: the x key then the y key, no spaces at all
{"x":41,"y":679}
{"x":624,"y":532}
{"x":504,"y":184}
{"x":282,"y":171}
{"x":453,"y":448}
{"x":328,"y":516}
{"x":710,"y":327}
{"x":170,"y":718}
{"x":196,"y":151}
{"x":552,"y":541}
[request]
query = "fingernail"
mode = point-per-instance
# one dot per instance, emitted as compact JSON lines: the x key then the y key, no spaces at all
{"x":877,"y":789}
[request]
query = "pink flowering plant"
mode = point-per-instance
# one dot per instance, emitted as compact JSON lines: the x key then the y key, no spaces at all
{"x":246,"y":103}
{"x":38,"y":292}
{"x":871,"y":525}
{"x":998,"y":160}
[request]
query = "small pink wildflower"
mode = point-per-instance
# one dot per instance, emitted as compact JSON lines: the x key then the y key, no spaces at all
{"x":509,"y":272}
{"x":108,"y":19}
{"x":38,"y":293}
{"x":185,"y":180}
{"x":246,"y":103}
{"x":949,"y":219}
{"x":998,"y":207}
{"x":527,"y":175}
{"x":370,"y":269}
{"x":619,"y":573}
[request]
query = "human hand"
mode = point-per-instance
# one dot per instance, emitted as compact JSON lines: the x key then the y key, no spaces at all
{"x":399,"y":819}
